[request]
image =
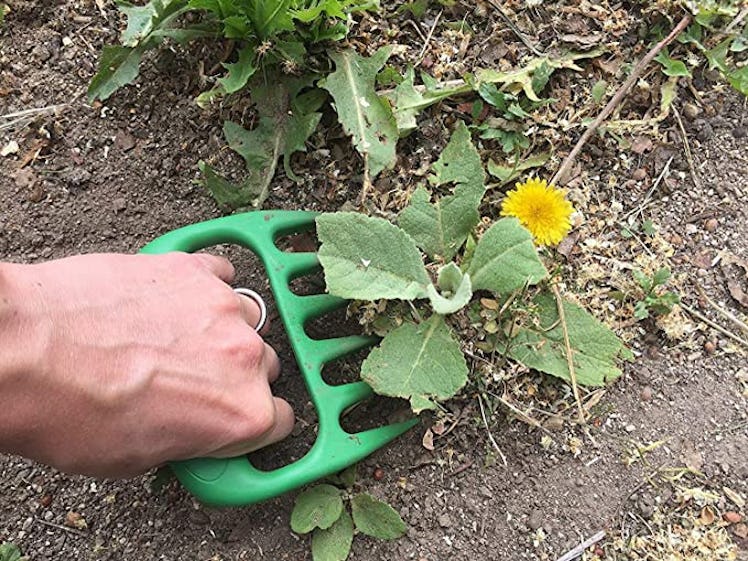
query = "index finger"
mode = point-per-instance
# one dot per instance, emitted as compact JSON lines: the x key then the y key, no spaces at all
{"x":219,"y":266}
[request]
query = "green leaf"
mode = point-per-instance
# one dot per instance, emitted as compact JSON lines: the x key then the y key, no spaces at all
{"x":739,"y":80}
{"x":367,"y":258}
{"x":423,"y":363}
{"x":595,"y":348}
{"x":269,"y":17}
{"x":226,"y":194}
{"x":598,"y":90}
{"x":334,"y":543}
{"x":541,"y":76}
{"x":644,"y":281}
{"x":458,"y":296}
{"x":348,"y":475}
{"x":281,"y":130}
{"x":143,"y":20}
{"x":671,"y":67}
{"x":717,"y":56}
{"x":376,"y":518}
{"x":661,"y":276}
{"x":118,"y":67}
{"x":317,"y":507}
{"x":509,"y":173}
{"x":505,"y":259}
{"x":407,"y":101}
{"x":491,"y":94}
{"x":240,"y":71}
{"x":441,"y":228}
{"x":364,"y":115}
{"x":10,"y":552}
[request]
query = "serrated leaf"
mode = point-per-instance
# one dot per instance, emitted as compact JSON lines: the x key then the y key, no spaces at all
{"x":280,"y":131}
{"x":376,"y":518}
{"x":317,"y":507}
{"x":521,"y":79}
{"x":269,"y":17}
{"x":661,"y":276}
{"x":717,"y":57}
{"x":458,"y":299}
{"x":408,"y":101}
{"x":241,"y":71}
{"x":505,"y":259}
{"x":143,"y":20}
{"x":440,"y":228}
{"x":368,"y":258}
{"x":364,"y":115}
{"x":118,"y":67}
{"x":226,"y":194}
{"x":508,"y":173}
{"x":670,"y":66}
{"x":423,"y":363}
{"x":595,"y":348}
{"x":334,"y":543}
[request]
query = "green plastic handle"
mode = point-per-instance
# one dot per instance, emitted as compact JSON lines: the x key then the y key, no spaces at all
{"x":235,"y":481}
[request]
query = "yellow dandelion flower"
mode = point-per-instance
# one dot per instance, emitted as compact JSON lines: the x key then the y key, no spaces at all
{"x":541,"y":208}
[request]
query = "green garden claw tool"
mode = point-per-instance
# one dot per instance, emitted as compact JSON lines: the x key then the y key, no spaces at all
{"x":235,"y":481}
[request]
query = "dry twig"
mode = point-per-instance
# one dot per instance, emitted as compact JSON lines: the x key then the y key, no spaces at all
{"x":714,"y":325}
{"x":578,"y":550}
{"x":427,"y":40}
{"x":687,"y":148}
{"x":507,"y":20}
{"x":617,"y":98}
{"x":569,"y":355}
{"x":488,"y":430}
{"x":721,"y":311}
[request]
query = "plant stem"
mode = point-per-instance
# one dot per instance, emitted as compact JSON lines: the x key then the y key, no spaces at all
{"x":617,"y":98}
{"x":569,"y":355}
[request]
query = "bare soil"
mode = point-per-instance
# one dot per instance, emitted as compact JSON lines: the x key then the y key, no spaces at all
{"x":109,"y":178}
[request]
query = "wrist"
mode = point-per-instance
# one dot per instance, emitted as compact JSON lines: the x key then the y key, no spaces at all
{"x":21,"y":355}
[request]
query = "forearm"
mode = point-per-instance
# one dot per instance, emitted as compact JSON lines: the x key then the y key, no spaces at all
{"x":21,"y":352}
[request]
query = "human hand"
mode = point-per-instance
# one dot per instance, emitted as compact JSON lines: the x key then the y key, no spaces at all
{"x":129,"y":361}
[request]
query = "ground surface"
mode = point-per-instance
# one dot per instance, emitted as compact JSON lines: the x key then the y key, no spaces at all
{"x":113,"y":177}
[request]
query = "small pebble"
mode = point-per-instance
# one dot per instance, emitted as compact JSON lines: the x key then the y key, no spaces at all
{"x":639,"y":174}
{"x":535,"y":520}
{"x":732,"y":517}
{"x":646,"y":394}
{"x":711,"y":225}
{"x":690,"y":110}
{"x":710,"y":347}
{"x":378,"y":474}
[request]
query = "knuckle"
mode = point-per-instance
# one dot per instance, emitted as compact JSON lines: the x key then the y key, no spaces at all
{"x":245,"y":350}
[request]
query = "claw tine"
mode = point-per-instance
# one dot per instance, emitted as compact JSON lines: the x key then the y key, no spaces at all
{"x":315,"y":305}
{"x":326,"y":350}
{"x":378,"y":437}
{"x":350,"y":394}
{"x":295,"y":265}
{"x":292,"y":223}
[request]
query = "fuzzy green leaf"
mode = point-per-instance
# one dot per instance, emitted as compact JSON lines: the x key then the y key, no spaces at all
{"x":441,"y":228}
{"x":364,"y":115}
{"x":367,"y":258}
{"x":505,"y":259}
{"x":317,"y":507}
{"x":334,"y":543}
{"x":376,"y":518}
{"x":595,"y":348}
{"x":421,"y":362}
{"x":457,"y":287}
